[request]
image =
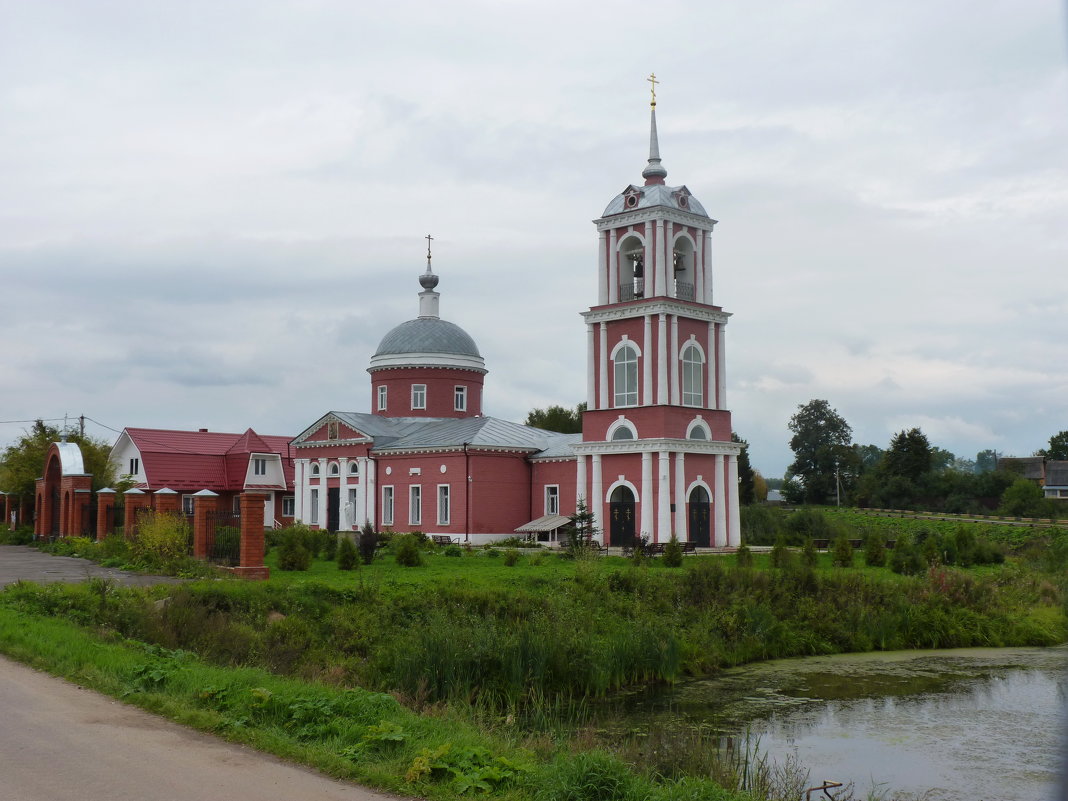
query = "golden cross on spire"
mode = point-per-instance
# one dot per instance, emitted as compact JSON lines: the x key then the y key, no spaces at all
{"x":429,"y":239}
{"x":653,"y":81}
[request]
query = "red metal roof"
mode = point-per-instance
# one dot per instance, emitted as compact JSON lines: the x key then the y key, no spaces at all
{"x":196,"y":460}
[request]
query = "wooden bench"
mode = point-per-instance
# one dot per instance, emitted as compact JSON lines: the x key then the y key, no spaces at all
{"x":444,"y":539}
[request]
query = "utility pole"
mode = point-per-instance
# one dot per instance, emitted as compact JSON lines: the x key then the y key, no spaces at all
{"x":81,"y":425}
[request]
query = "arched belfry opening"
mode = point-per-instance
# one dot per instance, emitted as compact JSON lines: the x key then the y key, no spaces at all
{"x":631,"y":268}
{"x":684,"y":269}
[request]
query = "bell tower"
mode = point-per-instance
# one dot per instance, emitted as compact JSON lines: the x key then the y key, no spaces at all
{"x":656,"y":390}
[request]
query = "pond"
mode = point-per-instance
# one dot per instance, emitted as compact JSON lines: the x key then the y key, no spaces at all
{"x":954,"y":725}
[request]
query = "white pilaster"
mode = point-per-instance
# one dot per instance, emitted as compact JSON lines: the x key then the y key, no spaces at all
{"x":647,"y":494}
{"x":603,"y":280}
{"x":602,"y":372}
{"x":322,"y":493}
{"x":699,"y":269}
{"x":613,"y":269}
{"x":647,"y":362}
{"x":661,"y":266}
{"x":580,"y":479}
{"x":734,"y":524}
{"x":650,"y":261}
{"x":710,"y":368}
{"x":344,"y":519}
{"x":663,"y":500}
{"x":591,"y":368}
{"x":306,"y":510}
{"x":673,"y":361}
{"x":719,"y":533}
{"x":596,"y":503}
{"x":721,"y":367}
{"x":359,"y":513}
{"x":661,"y":360}
{"x":298,"y":489}
{"x":680,"y":497}
{"x":708,"y":266}
{"x":370,"y":481}
{"x":669,"y":258}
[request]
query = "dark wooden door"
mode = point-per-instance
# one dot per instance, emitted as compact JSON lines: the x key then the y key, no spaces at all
{"x":621,"y":511}
{"x":333,"y":508}
{"x":700,"y":511}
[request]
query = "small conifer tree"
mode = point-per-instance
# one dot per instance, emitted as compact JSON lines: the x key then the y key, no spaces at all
{"x":809,"y":557}
{"x":744,"y":556}
{"x":346,"y":555}
{"x":673,"y":552}
{"x":875,"y":550}
{"x":842,"y":551}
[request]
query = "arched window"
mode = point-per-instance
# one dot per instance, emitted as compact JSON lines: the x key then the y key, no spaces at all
{"x":315,"y":469}
{"x":333,"y":468}
{"x":354,"y":468}
{"x":622,"y":433}
{"x":626,"y":376}
{"x":692,"y":376}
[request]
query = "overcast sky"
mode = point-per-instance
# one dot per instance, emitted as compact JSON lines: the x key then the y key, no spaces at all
{"x":211,"y":212}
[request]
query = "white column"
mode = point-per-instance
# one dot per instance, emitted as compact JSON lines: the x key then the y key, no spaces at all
{"x":359,"y":512}
{"x":721,"y":367}
{"x":298,"y":490}
{"x":370,"y":480}
{"x":663,"y":499}
{"x":661,"y":360}
{"x":591,"y":369}
{"x":673,"y":361}
{"x":708,"y":266}
{"x":710,"y":368}
{"x":602,"y":270}
{"x":596,"y":502}
{"x":580,"y":479}
{"x":699,"y":268}
{"x":612,"y":258}
{"x":719,"y":533}
{"x":734,"y":523}
{"x":647,"y":362}
{"x":322,"y":493}
{"x":661,"y":280}
{"x":602,"y":373}
{"x":669,"y":261}
{"x":306,"y":510}
{"x":647,"y":494}
{"x":650,"y":260}
{"x":680,"y":496}
{"x":345,"y":519}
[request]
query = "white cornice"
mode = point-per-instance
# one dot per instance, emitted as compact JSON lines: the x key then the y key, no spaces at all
{"x":657,"y":305}
{"x":663,"y":444}
{"x":654,"y":213}
{"x":444,"y":360}
{"x":325,"y":443}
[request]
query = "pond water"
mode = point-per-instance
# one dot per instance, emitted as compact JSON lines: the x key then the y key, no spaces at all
{"x":954,"y":725}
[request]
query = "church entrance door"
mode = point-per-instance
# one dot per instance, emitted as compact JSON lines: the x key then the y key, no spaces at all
{"x":621,"y":511}
{"x":700,"y":510}
{"x":333,"y":507}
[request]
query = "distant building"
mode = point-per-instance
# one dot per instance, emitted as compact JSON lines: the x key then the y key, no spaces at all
{"x":1056,"y":480}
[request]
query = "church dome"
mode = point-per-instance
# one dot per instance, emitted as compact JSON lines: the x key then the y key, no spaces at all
{"x":428,"y":335}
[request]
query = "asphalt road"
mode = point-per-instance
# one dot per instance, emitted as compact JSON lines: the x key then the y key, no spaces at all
{"x":59,"y":742}
{"x":23,"y":562}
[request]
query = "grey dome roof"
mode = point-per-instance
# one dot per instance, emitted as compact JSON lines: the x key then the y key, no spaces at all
{"x":428,"y":335}
{"x":656,"y":195}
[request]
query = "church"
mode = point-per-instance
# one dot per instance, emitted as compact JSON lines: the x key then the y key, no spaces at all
{"x":654,"y":458}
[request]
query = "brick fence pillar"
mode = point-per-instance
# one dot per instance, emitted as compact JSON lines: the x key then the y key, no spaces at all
{"x":105,"y":500}
{"x":9,"y":508}
{"x":79,"y":525}
{"x":136,"y":500}
{"x":205,"y":503}
{"x":252,"y":566}
{"x":165,"y":501}
{"x":42,"y":521}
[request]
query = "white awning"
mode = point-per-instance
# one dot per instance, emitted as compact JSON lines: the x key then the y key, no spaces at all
{"x":545,"y":523}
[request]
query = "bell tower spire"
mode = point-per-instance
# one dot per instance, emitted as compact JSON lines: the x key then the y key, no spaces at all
{"x":428,"y":298}
{"x":654,"y":172}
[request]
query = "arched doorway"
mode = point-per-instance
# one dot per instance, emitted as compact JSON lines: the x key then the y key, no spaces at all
{"x":621,"y":511}
{"x":700,"y":512}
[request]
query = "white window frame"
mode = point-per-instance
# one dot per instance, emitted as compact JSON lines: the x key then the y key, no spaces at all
{"x":387,"y":505}
{"x":415,"y":504}
{"x":354,"y":468}
{"x":259,"y":466}
{"x":334,"y":470}
{"x":289,"y":506}
{"x":135,"y":466}
{"x":314,"y":501}
{"x":189,"y":504}
{"x":459,"y":399}
{"x":625,"y":375}
{"x":552,"y":499}
{"x":315,"y":470}
{"x":382,"y":397}
{"x":418,"y":396}
{"x":444,"y":504}
{"x":693,"y":375}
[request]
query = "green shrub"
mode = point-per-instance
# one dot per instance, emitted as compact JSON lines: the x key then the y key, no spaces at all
{"x":875,"y":550}
{"x":346,"y":554}
{"x":744,"y":556}
{"x":906,"y":558}
{"x":23,"y":535}
{"x":453,"y":550}
{"x":809,"y":557}
{"x":492,"y":552}
{"x":406,"y":550}
{"x":511,"y":557}
{"x":964,"y":540}
{"x":808,"y":522}
{"x":590,"y":776}
{"x":331,"y":543}
{"x":293,"y":554}
{"x":673,"y":552}
{"x":842,"y":551}
{"x":162,"y":539}
{"x":761,"y":524}
{"x":781,"y":555}
{"x":368,"y":543}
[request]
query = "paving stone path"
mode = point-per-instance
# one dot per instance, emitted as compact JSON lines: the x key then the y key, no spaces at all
{"x":28,"y":564}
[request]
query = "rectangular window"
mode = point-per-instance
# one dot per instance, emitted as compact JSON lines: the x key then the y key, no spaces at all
{"x":418,"y":396}
{"x":381,"y":399}
{"x":460,"y":399}
{"x":259,"y":467}
{"x":289,"y":506}
{"x":415,"y":505}
{"x":387,"y":506}
{"x":314,"y":501}
{"x":443,"y":504}
{"x":188,"y":504}
{"x":135,"y":465}
{"x":237,"y":506}
{"x":552,"y":499}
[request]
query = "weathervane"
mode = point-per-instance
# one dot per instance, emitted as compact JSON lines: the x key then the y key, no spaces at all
{"x":653,"y":81}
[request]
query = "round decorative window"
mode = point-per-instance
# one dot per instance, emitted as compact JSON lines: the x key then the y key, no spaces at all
{"x":389,"y":471}
{"x":631,"y":201}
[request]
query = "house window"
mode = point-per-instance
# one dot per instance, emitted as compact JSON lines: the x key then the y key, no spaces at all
{"x":331,"y":429}
{"x":692,"y":377}
{"x":314,"y":506}
{"x":350,"y":509}
{"x":135,"y":465}
{"x":418,"y":396}
{"x":381,"y":399}
{"x":334,"y":469}
{"x":626,"y":376}
{"x":237,"y":506}
{"x":315,"y":469}
{"x":289,"y":506}
{"x":259,"y":467}
{"x":387,"y":506}
{"x":415,"y":505}
{"x":354,"y":468}
{"x":552,"y":499}
{"x":460,"y":399}
{"x":188,"y":504}
{"x":443,"y":504}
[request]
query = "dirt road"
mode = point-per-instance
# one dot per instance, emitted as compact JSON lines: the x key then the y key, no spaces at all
{"x":59,"y":742}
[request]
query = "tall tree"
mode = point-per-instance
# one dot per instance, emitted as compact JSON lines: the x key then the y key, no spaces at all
{"x":557,"y":418}
{"x":870,"y":456}
{"x":822,"y":450}
{"x":1058,"y":446}
{"x":746,"y":486}
{"x":909,"y":455}
{"x":22,"y":463}
{"x":986,"y":461}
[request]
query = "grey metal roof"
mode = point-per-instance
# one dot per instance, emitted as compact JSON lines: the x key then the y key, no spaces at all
{"x":559,"y":446}
{"x":1056,"y":473}
{"x":428,"y":335}
{"x":656,"y":195}
{"x":384,"y":430}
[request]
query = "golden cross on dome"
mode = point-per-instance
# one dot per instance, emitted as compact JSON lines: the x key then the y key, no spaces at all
{"x":653,"y":81}
{"x":429,"y":239}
